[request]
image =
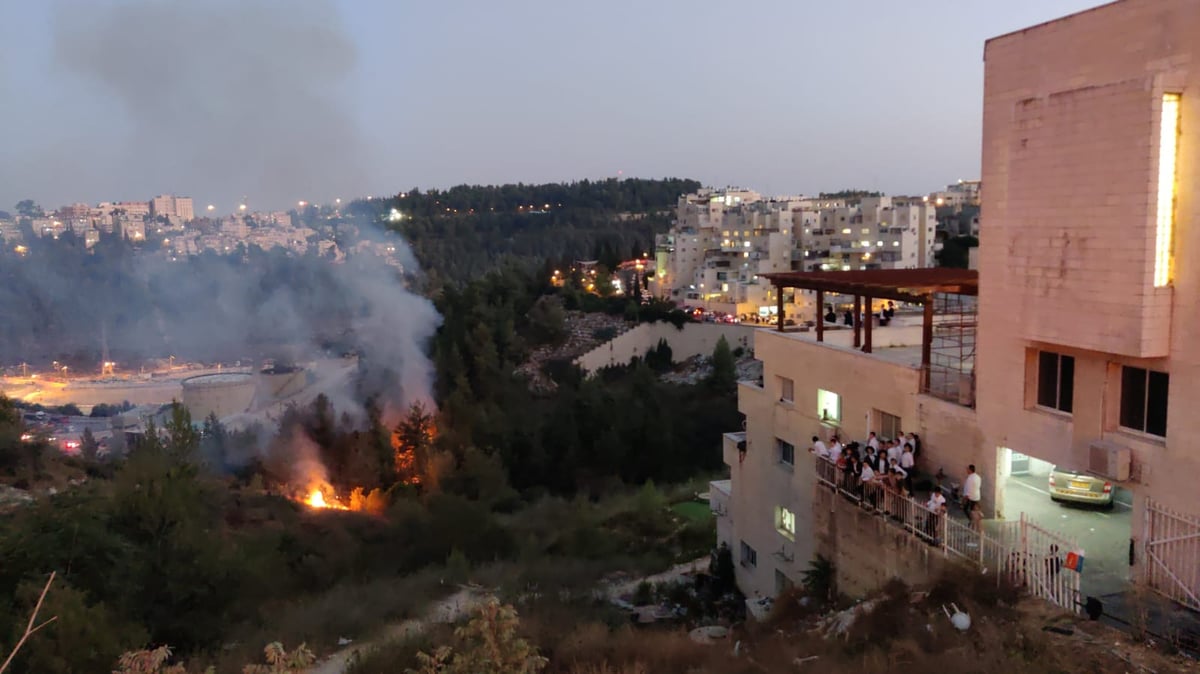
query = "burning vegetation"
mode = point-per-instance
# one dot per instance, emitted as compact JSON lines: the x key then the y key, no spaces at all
{"x":323,"y":497}
{"x":325,"y":473}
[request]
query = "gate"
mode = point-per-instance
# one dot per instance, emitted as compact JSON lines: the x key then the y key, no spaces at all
{"x":1173,"y":554}
{"x":1034,"y":559}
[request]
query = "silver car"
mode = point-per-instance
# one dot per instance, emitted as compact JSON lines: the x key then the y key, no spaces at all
{"x":1078,"y":487}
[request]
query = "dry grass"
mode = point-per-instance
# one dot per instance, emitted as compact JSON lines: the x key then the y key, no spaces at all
{"x":581,"y":637}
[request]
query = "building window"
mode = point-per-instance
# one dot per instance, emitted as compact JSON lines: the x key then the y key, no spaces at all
{"x":786,"y":452}
{"x":1168,"y":148}
{"x":749,"y":556}
{"x":829,"y":407}
{"x":787,"y":389}
{"x":1056,"y":381}
{"x":1144,"y":400}
{"x":785,"y":522}
{"x":782,"y":582}
{"x":889,"y":425}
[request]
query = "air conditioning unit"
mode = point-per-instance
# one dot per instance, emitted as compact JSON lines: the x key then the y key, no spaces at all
{"x":1110,"y":460}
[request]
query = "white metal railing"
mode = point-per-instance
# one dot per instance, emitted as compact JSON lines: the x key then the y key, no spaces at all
{"x":1019,"y":552}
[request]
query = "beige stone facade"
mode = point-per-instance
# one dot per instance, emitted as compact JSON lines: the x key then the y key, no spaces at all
{"x":1072,"y":249}
{"x":878,"y":392}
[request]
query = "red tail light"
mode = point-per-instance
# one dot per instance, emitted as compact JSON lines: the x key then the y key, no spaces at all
{"x":1107,"y":487}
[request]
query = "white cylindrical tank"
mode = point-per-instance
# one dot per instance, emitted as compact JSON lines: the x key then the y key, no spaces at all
{"x":279,"y":382}
{"x":223,"y":394}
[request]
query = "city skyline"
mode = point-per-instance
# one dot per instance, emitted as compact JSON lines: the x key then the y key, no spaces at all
{"x":338,"y":99}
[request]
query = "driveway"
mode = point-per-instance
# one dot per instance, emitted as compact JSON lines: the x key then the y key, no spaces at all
{"x":1103,"y":534}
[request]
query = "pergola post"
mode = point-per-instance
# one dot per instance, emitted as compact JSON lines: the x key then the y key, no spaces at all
{"x":857,"y":321}
{"x":820,"y":315}
{"x":926,"y":343}
{"x":779,"y":306}
{"x":870,"y":319}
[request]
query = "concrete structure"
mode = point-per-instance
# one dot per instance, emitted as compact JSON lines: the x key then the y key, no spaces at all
{"x":171,"y":206}
{"x":694,"y":339}
{"x":834,"y":381}
{"x":962,"y":193}
{"x":281,"y":382}
{"x":1090,"y":255}
{"x":803,"y":380}
{"x":224,"y":394}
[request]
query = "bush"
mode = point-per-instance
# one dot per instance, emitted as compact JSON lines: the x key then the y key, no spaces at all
{"x":604,"y":334}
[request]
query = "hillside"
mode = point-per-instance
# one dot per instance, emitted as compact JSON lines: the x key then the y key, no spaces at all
{"x":459,"y":233}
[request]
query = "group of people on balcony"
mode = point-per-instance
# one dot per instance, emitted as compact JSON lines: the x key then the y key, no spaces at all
{"x":881,"y":469}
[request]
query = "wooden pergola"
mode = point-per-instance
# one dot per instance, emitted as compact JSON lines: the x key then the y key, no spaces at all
{"x":917,"y":286}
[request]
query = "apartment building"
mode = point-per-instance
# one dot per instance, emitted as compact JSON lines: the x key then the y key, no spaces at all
{"x":957,"y":195}
{"x":1089,"y":337}
{"x":724,"y":241}
{"x":913,"y":375}
{"x":173,"y":207}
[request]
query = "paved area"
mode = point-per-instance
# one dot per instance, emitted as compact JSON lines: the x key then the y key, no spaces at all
{"x":1103,"y":534}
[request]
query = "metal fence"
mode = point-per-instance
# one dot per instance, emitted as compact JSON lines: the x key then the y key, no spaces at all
{"x":1028,"y":556}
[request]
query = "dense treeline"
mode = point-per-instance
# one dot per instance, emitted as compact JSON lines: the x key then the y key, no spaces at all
{"x":459,"y":233}
{"x":625,"y":425}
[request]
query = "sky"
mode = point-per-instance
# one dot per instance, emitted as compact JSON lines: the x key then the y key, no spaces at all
{"x":276,"y":101}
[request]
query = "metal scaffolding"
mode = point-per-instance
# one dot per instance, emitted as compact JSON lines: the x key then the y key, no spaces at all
{"x":952,"y":348}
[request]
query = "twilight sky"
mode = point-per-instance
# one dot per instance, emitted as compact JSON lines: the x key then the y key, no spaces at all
{"x":282,"y":100}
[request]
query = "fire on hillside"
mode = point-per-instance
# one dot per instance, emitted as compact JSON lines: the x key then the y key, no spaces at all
{"x":322,"y":496}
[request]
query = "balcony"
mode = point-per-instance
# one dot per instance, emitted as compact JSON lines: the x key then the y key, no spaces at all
{"x":732,"y":447}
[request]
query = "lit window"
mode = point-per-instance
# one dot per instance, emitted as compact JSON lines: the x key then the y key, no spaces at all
{"x":895,"y":244}
{"x":865,"y":244}
{"x":846,"y":231}
{"x":1168,"y":148}
{"x":829,"y":406}
{"x":785,"y":522}
{"x":866,"y":230}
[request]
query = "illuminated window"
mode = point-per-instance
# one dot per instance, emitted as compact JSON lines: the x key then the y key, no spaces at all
{"x":1168,"y":148}
{"x":785,"y":522}
{"x":829,"y":406}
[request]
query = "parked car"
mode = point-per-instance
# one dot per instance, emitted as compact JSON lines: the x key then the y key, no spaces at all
{"x":1079,"y":487}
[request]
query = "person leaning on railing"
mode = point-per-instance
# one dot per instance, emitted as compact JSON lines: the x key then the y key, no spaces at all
{"x":936,"y":505}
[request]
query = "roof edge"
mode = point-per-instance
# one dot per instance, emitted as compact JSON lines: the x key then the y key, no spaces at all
{"x":1043,"y":24}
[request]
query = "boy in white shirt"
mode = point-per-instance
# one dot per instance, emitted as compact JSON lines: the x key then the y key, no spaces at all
{"x":937,"y":506}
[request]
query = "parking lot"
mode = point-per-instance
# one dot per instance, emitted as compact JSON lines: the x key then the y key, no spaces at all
{"x":1103,"y":534}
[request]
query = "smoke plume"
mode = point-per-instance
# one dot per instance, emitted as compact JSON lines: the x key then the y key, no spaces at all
{"x":223,"y":98}
{"x":61,"y":302}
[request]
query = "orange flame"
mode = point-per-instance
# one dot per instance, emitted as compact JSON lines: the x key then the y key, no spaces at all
{"x":322,"y":497}
{"x":317,"y":499}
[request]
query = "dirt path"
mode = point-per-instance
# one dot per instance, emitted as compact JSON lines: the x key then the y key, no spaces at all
{"x":615,"y":590}
{"x":447,"y":610}
{"x":457,"y":605}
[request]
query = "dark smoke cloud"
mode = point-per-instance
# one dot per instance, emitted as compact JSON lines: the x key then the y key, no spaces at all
{"x":60,"y":302}
{"x":223,"y":98}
